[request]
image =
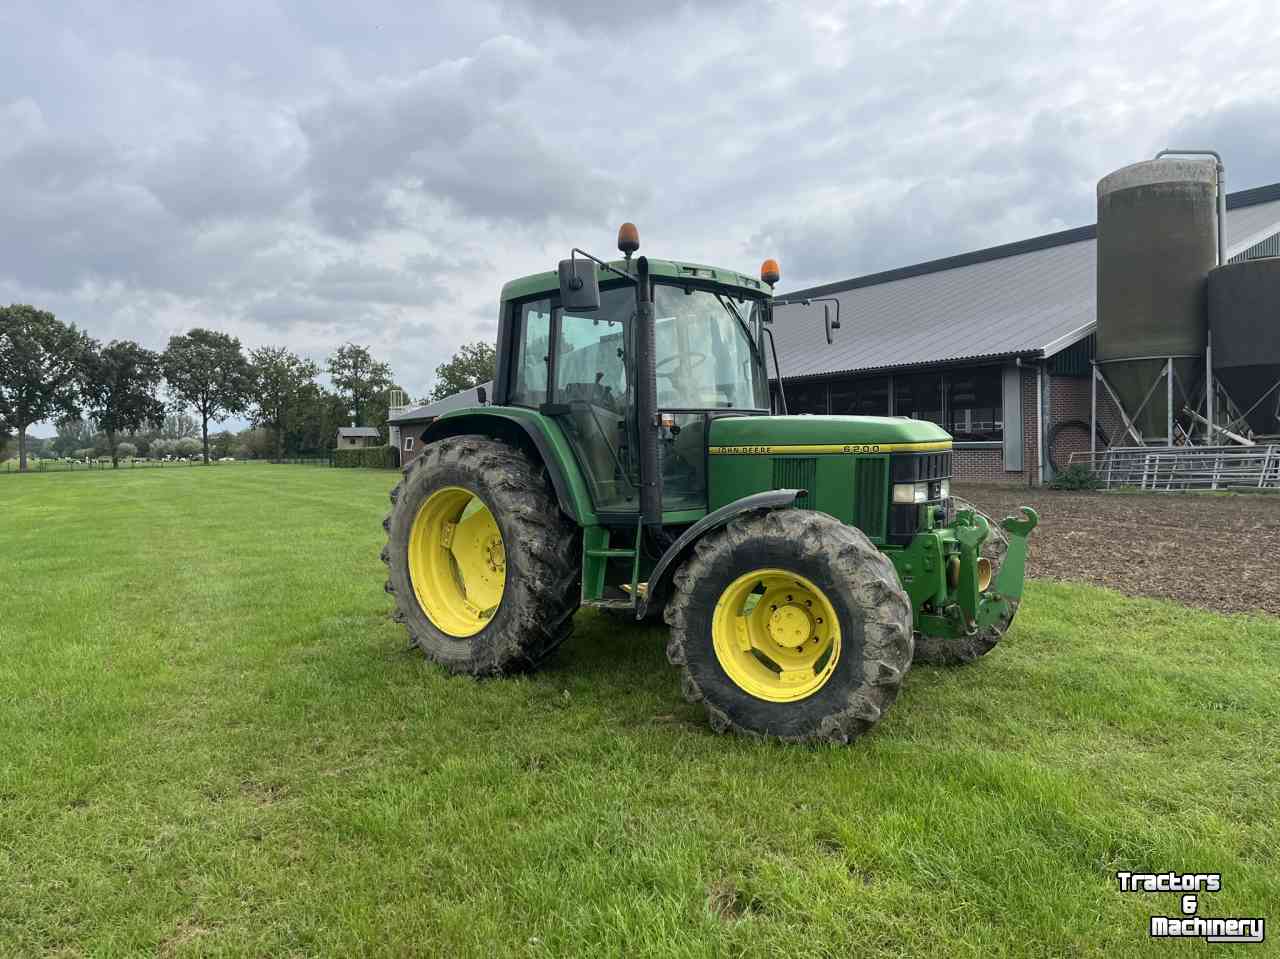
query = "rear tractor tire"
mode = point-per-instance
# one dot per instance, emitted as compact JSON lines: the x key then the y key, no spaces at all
{"x":941,"y":651}
{"x":790,"y":625}
{"x":483,"y":566}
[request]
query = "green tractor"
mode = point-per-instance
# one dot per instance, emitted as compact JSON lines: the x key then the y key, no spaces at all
{"x":629,"y":460}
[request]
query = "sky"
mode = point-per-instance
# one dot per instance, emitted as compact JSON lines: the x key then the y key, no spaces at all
{"x":311,"y":173}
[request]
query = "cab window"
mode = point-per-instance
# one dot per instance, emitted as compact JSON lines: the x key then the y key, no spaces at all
{"x":533,"y":355}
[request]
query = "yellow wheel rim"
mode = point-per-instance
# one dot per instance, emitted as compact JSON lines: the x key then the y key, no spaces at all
{"x":776,"y":635}
{"x":457,"y":561}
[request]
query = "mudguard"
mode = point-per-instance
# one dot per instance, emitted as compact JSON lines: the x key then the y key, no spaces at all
{"x":660,"y":578}
{"x":524,"y":428}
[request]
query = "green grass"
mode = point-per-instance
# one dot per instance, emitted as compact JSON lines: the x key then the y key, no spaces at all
{"x":213,"y":741}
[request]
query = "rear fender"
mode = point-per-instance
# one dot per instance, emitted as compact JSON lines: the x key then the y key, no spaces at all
{"x":539,"y":438}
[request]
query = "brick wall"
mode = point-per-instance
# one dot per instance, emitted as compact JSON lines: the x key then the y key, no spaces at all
{"x":981,"y":465}
{"x":1069,"y":400}
{"x":1030,"y":475}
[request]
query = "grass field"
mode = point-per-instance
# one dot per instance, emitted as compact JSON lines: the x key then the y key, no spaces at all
{"x":215,"y":742}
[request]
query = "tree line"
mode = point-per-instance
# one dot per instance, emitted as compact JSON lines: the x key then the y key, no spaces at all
{"x":122,"y":399}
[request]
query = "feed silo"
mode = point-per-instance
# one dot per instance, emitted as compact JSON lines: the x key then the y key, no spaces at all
{"x":1244,"y":314}
{"x":1157,"y":242}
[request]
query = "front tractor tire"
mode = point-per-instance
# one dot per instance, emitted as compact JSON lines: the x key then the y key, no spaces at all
{"x":482,"y":563}
{"x":791,"y":625}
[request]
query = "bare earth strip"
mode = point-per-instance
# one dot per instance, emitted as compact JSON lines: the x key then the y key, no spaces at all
{"x":1214,"y":551}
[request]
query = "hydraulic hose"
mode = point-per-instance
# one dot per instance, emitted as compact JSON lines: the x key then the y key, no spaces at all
{"x":1077,"y":424}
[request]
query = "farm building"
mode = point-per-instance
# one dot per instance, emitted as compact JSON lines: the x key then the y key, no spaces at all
{"x":407,"y":423}
{"x":355,"y":437}
{"x":995,"y":345}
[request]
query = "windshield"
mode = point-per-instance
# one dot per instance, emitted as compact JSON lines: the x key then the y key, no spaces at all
{"x":705,"y":359}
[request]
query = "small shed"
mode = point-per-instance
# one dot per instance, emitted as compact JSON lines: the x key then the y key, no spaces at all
{"x":355,"y":437}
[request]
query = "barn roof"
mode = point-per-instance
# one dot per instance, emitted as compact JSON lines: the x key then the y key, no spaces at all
{"x":1031,"y":298}
{"x":349,"y":432}
{"x":429,"y":411}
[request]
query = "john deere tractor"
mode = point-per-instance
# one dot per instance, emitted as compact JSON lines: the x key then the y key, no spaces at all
{"x":629,"y":459}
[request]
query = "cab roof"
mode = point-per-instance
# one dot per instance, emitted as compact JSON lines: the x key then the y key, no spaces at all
{"x":549,"y":282}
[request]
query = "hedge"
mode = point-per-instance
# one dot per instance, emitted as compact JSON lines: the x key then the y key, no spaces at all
{"x":368,"y":457}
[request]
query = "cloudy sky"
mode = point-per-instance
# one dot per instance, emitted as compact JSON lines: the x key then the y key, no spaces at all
{"x":308,"y":173}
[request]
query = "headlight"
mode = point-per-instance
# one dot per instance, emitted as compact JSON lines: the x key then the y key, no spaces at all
{"x":946,"y":488}
{"x":910,"y":493}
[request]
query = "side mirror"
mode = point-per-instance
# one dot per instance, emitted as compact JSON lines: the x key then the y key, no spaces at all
{"x":579,"y":288}
{"x":826,"y":322}
{"x":481,"y":395}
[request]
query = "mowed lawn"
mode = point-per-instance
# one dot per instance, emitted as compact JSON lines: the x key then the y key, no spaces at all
{"x":213,"y":741}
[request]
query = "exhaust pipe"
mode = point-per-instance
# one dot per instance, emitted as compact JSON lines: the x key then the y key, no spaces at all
{"x":647,"y":401}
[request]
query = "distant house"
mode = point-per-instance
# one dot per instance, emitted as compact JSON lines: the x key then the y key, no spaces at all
{"x":355,"y":437}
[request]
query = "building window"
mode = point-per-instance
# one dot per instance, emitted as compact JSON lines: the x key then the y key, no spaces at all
{"x":975,"y":400}
{"x":919,"y":395}
{"x":967,"y":403}
{"x":807,"y":397}
{"x":408,"y":444}
{"x":864,"y":397}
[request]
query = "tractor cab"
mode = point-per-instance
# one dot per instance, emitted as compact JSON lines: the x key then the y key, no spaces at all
{"x":576,"y":361}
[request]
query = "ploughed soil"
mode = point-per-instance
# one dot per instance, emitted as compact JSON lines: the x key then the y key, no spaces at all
{"x":1214,"y":551}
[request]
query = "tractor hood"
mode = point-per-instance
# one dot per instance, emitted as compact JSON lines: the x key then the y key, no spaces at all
{"x":825,"y":434}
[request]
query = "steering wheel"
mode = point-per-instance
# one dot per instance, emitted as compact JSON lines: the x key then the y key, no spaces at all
{"x":681,"y":358}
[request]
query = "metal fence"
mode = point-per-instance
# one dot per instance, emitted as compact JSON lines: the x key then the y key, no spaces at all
{"x":305,"y":461}
{"x":1171,"y":469}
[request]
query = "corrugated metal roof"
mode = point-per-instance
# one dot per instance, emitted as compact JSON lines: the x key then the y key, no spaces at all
{"x":436,"y":408}
{"x":1030,"y":298}
{"x":357,"y":431}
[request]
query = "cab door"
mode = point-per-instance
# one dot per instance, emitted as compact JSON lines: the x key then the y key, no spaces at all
{"x":592,"y":396}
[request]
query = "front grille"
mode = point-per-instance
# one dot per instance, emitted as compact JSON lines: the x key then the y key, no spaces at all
{"x":870,"y":495}
{"x":792,"y":472}
{"x":917,"y":467}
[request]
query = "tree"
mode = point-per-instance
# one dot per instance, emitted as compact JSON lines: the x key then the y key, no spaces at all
{"x":473,"y":364}
{"x":41,"y":362}
{"x":320,"y":413}
{"x":258,"y":444}
{"x":73,"y":434}
{"x":280,"y":380}
{"x":124,"y":449}
{"x":177,"y":425}
{"x":190,"y":446}
{"x":207,"y":370}
{"x":358,"y":376}
{"x":121,"y":381}
{"x":223,"y":444}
